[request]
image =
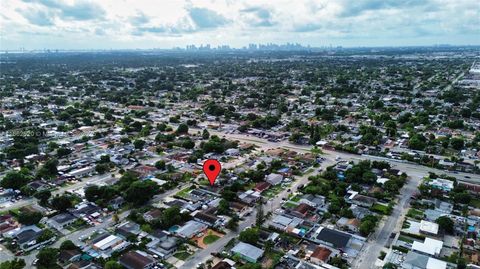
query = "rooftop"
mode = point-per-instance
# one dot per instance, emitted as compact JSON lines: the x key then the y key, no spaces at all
{"x":248,"y":250}
{"x":336,"y":238}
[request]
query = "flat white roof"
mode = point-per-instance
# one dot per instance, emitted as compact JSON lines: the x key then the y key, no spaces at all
{"x":428,"y":227}
{"x":382,"y":180}
{"x":436,"y":264}
{"x":429,"y":246}
{"x":106,"y":242}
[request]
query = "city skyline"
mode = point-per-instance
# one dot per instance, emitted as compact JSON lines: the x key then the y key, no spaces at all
{"x":50,"y":24}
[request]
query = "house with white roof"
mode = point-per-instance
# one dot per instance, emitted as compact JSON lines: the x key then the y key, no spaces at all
{"x":430,"y":247}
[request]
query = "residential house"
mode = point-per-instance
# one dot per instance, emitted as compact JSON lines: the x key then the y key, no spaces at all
{"x":69,"y":256}
{"x":249,"y":197}
{"x":429,"y":228}
{"x":128,"y":229}
{"x":313,"y":200}
{"x":302,"y":210}
{"x":60,"y":221}
{"x":285,"y":222}
{"x":441,"y":184}
{"x":360,"y":212}
{"x":26,"y":237}
{"x":232,"y":152}
{"x":82,"y":172}
{"x":350,"y":224}
{"x":262,"y":186}
{"x":320,"y":255}
{"x":415,"y":260}
{"x":239,"y":208}
{"x":152,"y":214}
{"x":164,"y":246}
{"x":274,"y":179}
{"x":190,"y":229}
{"x":333,"y":238}
{"x":7,"y":223}
{"x":361,"y":200}
{"x":222,"y":265}
{"x":247,"y":252}
{"x":117,"y":202}
{"x":206,"y":218}
{"x":136,"y":260}
{"x":105,"y":244}
{"x":429,"y":247}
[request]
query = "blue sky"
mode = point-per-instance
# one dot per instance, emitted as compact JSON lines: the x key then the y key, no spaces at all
{"x":143,"y":24}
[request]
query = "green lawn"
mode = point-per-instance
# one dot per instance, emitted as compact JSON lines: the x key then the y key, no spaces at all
{"x":183,"y":193}
{"x":405,"y":239}
{"x":273,"y":191}
{"x":415,"y":213}
{"x":77,"y":225}
{"x":289,"y":205}
{"x":204,"y":182}
{"x":380,"y":209}
{"x":475,"y":203}
{"x":182,"y":255}
{"x":295,"y":198}
{"x":210,"y":239}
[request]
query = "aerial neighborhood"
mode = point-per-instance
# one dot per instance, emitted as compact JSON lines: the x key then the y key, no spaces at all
{"x":332,"y":158}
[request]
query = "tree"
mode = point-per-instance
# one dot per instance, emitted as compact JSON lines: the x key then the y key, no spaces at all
{"x":29,"y":218}
{"x":43,"y":196}
{"x":457,"y":143}
{"x":13,"y":264}
{"x":102,"y":168}
{"x":141,"y":192}
{"x":205,"y":134}
{"x":160,"y":165}
{"x":46,"y":235}
{"x":61,"y":203}
{"x":368,"y":224}
{"x":112,"y":265}
{"x":68,"y":245}
{"x":105,"y":158}
{"x":417,"y":141}
{"x":445,"y":223}
{"x":260,"y":217}
{"x":15,"y":180}
{"x":232,"y":224}
{"x":462,"y":198}
{"x":62,"y":152}
{"x":223,"y":207}
{"x":390,"y":265}
{"x":49,"y":169}
{"x":99,"y":194}
{"x":115,"y":217}
{"x":188,"y":143}
{"x":249,"y":236}
{"x":139,"y":144}
{"x":47,"y":258}
{"x":182,"y":129}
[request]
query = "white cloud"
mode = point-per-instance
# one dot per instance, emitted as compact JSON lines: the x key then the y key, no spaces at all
{"x":146,"y":24}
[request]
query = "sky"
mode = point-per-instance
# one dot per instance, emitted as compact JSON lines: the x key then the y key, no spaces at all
{"x":146,"y":24}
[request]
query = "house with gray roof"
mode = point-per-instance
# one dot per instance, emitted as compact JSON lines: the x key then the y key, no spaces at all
{"x":415,"y":260}
{"x":247,"y":252}
{"x":60,"y":221}
{"x":191,"y":228}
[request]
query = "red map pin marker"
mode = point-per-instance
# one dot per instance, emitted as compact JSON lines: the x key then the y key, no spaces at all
{"x":212,"y":168}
